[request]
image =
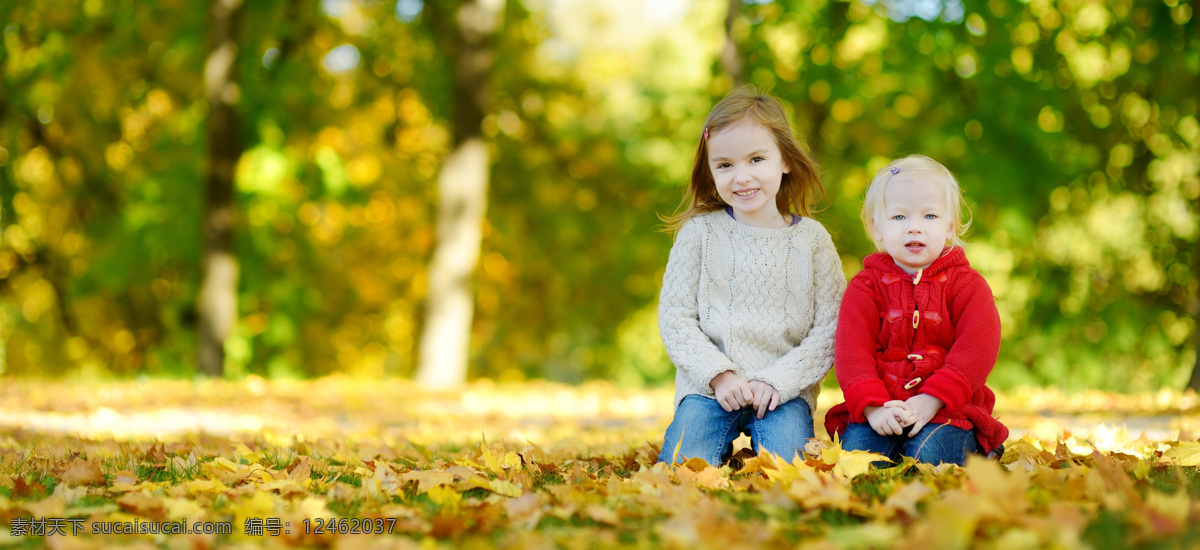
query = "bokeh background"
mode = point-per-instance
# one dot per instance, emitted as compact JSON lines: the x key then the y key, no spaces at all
{"x":287,"y":157}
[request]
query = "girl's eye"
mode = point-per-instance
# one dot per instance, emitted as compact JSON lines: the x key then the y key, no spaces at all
{"x":898,"y":217}
{"x":723,"y":165}
{"x":757,"y":159}
{"x":931,"y":216}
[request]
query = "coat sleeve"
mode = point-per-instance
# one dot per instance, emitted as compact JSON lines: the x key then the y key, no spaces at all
{"x":856,"y":348}
{"x":809,"y":362}
{"x":971,"y":358}
{"x":693,"y":352}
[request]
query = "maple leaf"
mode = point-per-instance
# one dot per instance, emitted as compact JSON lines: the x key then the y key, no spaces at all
{"x":529,"y":464}
{"x":503,"y":488}
{"x":284,"y":487}
{"x":382,"y":485}
{"x":852,"y":463}
{"x":1165,"y":514}
{"x":905,"y":499}
{"x":600,"y":514}
{"x":313,"y":506}
{"x":83,"y":472}
{"x":205,"y":486}
{"x":707,"y":476}
{"x":490,"y":459}
{"x":445,"y":497}
{"x":1061,"y":521}
{"x":125,"y":477}
{"x":428,"y":479}
{"x":750,"y":465}
{"x":302,"y":470}
{"x":948,"y":523}
{"x":247,"y":454}
{"x":775,"y":469}
{"x":26,"y":489}
{"x":512,"y":461}
{"x":525,"y":510}
{"x":1184,"y":453}
{"x":696,"y":464}
{"x":1114,"y":479}
{"x":70,"y":495}
{"x":997,"y":494}
{"x":225,"y":470}
{"x":155,"y":454}
{"x":580,"y":477}
{"x":49,"y":507}
{"x":678,"y":445}
{"x":144,"y":504}
{"x":259,"y":504}
{"x":181,"y":508}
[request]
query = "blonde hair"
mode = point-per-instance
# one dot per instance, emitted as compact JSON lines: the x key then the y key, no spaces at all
{"x":797,"y":190}
{"x":924,"y":167}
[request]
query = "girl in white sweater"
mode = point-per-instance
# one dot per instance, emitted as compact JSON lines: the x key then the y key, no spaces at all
{"x":750,"y":296}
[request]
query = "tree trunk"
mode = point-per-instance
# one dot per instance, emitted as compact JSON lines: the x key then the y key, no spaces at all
{"x":731,"y":57}
{"x":1194,"y":383}
{"x":217,"y":303}
{"x":462,"y":202}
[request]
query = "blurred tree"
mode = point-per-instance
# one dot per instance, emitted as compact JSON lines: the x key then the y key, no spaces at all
{"x":731,"y":56}
{"x":1071,"y":131}
{"x":1194,"y":380}
{"x":217,"y":301}
{"x":1071,"y":123}
{"x":462,"y":197}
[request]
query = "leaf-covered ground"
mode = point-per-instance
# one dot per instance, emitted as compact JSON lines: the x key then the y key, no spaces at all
{"x":546,"y":466}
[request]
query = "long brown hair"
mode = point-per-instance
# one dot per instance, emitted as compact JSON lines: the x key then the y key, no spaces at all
{"x":799,"y":187}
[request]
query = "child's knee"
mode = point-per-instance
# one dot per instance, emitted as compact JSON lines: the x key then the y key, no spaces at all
{"x":951,"y":447}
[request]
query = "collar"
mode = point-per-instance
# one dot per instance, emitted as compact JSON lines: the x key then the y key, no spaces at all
{"x":882,"y":261}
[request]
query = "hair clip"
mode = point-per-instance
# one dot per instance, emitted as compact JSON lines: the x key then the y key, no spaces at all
{"x":894,"y":170}
{"x":706,"y":133}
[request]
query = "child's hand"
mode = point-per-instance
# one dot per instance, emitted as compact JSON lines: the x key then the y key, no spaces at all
{"x":904,"y":415}
{"x":923,"y":407}
{"x":890,"y":419}
{"x":766,"y":397}
{"x":731,"y":391}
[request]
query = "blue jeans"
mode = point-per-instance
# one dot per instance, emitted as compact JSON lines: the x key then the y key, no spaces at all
{"x":708,"y":431}
{"x":934,"y":444}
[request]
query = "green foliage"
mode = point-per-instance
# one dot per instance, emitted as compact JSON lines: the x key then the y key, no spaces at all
{"x":1071,"y":124}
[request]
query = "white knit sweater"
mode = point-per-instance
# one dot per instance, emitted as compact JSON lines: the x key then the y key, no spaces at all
{"x":762,"y":303}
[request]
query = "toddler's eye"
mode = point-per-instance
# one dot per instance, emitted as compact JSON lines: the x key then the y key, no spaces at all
{"x":898,"y":217}
{"x":931,"y":216}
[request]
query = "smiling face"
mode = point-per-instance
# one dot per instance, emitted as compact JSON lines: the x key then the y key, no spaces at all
{"x":914,"y":224}
{"x":747,"y":168}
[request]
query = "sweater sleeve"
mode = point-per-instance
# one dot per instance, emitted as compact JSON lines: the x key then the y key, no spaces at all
{"x":976,"y":345}
{"x":859,"y":324}
{"x":693,"y":352}
{"x":809,"y":362}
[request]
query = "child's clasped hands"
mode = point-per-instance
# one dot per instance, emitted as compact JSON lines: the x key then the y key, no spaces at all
{"x":734,"y":393}
{"x":894,"y":416}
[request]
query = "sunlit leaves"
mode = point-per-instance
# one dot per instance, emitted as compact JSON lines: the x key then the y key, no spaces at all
{"x":500,"y":483}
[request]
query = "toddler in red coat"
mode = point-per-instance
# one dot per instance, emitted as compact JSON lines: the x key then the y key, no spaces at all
{"x":918,"y":332}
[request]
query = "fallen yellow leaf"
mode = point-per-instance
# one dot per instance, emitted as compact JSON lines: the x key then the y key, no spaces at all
{"x":83,"y":472}
{"x":853,"y":463}
{"x":445,"y":496}
{"x":1184,"y":453}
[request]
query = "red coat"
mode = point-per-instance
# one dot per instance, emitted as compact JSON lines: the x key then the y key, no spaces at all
{"x":898,"y":336}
